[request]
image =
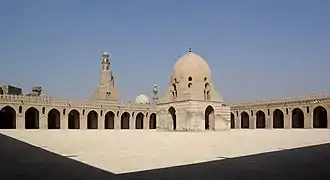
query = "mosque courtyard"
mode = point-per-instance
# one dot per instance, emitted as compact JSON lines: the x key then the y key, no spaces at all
{"x":125,"y":151}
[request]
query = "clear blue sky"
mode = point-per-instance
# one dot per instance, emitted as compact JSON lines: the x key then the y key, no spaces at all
{"x":257,"y":49}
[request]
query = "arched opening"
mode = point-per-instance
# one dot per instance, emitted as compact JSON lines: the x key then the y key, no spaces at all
{"x":209,"y":118}
{"x":1,"y":91}
{"x":261,"y":119}
{"x":278,"y":119}
{"x":139,"y":121}
{"x":245,"y":121}
{"x":54,"y":121}
{"x":320,"y":117}
{"x":7,"y":118}
{"x":232,"y":121}
{"x":109,"y":120}
{"x":92,"y":122}
{"x":32,"y":118}
{"x":297,"y":118}
{"x":74,"y":119}
{"x":152,"y":121}
{"x":124,"y":123}
{"x":172,"y":111}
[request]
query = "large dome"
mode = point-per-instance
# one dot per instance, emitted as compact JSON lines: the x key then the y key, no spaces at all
{"x":191,"y":65}
{"x":142,"y":99}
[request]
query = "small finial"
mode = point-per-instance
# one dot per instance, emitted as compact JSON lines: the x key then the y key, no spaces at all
{"x":189,"y":49}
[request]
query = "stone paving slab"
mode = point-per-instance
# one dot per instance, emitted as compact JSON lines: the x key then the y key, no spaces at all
{"x":122,"y":151}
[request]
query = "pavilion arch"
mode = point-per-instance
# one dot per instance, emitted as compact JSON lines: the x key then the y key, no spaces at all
{"x":209,"y":118}
{"x":172,"y":111}
{"x":232,"y":121}
{"x":245,"y":120}
{"x":54,"y":119}
{"x":139,"y":121}
{"x":153,"y":121}
{"x":74,"y":119}
{"x":260,"y":119}
{"x":7,"y":118}
{"x":298,"y":118}
{"x":278,"y":119}
{"x":109,"y":120}
{"x":320,"y":117}
{"x":32,"y":118}
{"x":92,"y":120}
{"x":124,"y":120}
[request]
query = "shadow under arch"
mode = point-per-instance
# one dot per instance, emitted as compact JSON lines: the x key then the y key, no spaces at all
{"x":32,"y":118}
{"x":320,"y":117}
{"x":209,"y":118}
{"x":74,"y":119}
{"x":298,"y":118}
{"x":172,"y":111}
{"x":109,"y":119}
{"x":232,"y":121}
{"x":139,"y":121}
{"x":124,"y":121}
{"x":92,"y":120}
{"x":261,"y":120}
{"x":54,"y":119}
{"x":278,"y":119}
{"x":245,"y":120}
{"x":7,"y":118}
{"x":153,"y":121}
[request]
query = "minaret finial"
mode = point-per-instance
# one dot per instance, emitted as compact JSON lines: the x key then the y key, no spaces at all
{"x":189,"y":50}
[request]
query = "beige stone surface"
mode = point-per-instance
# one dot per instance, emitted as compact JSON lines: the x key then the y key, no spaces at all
{"x":120,"y":151}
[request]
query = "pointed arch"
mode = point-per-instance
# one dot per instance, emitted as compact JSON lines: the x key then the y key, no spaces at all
{"x":245,"y":120}
{"x":172,"y":112}
{"x":232,"y":121}
{"x":261,"y":119}
{"x":32,"y":118}
{"x":298,"y":118}
{"x":124,"y":122}
{"x":209,"y":118}
{"x":109,"y":120}
{"x":320,"y":117}
{"x":74,"y":119}
{"x":7,"y":118}
{"x":278,"y":119}
{"x":153,"y":121}
{"x":54,"y":119}
{"x":139,"y":121}
{"x":92,"y":120}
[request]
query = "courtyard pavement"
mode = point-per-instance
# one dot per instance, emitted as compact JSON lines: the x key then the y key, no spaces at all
{"x":148,"y":154}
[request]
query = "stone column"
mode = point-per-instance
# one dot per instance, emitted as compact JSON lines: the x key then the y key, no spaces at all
{"x":64,"y":119}
{"x":146,"y":122}
{"x":308,"y":120}
{"x":117,"y":122}
{"x":288,"y":120}
{"x":83,"y":122}
{"x":253,"y":122}
{"x":101,"y":122}
{"x":20,"y":121}
{"x":237,"y":122}
{"x":269,"y":121}
{"x":43,"y":121}
{"x":132,"y":121}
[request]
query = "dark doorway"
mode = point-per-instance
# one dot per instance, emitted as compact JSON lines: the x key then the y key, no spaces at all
{"x":320,"y":117}
{"x":245,"y":121}
{"x":32,"y":118}
{"x":278,"y":119}
{"x":297,"y":118}
{"x":124,"y":123}
{"x":153,"y":121}
{"x":261,"y":119}
{"x":74,"y":119}
{"x":54,"y":121}
{"x":172,"y":111}
{"x":109,"y":120}
{"x":139,"y":121}
{"x":92,"y":120}
{"x":209,"y":118}
{"x":7,"y":118}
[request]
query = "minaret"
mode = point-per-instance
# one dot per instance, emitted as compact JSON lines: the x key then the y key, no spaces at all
{"x":106,"y":89}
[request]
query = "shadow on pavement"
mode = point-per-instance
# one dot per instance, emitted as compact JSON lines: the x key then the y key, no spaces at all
{"x":19,"y":160}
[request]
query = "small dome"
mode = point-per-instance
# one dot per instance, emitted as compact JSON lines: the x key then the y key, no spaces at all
{"x":191,"y":65}
{"x":142,"y":99}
